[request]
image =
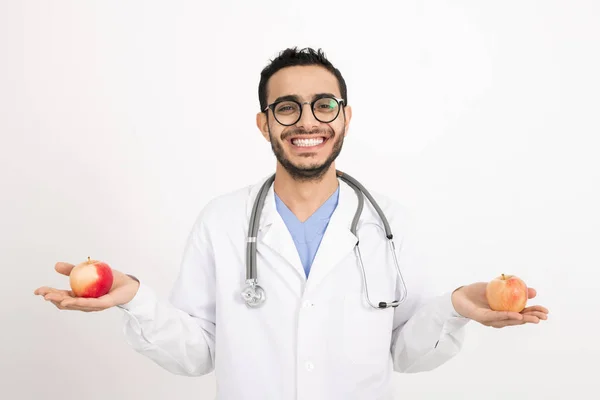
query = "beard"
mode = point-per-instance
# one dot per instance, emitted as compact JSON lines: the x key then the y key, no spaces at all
{"x":314,"y":171}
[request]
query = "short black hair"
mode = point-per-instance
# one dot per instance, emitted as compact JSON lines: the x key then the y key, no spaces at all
{"x":293,"y":57}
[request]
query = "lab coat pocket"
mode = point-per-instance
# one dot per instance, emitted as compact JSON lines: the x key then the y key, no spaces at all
{"x":367,"y":331}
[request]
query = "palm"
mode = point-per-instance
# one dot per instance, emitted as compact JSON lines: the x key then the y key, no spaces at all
{"x":471,"y":302}
{"x":122,"y":290}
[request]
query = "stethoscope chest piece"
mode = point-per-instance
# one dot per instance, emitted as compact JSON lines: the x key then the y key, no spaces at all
{"x":254,"y":295}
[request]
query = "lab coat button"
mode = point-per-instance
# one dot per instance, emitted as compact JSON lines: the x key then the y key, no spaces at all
{"x":307,"y":304}
{"x":309,"y":366}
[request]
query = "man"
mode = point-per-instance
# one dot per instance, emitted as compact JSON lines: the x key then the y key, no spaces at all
{"x":315,"y":336}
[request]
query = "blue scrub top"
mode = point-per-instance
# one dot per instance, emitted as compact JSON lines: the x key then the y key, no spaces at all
{"x":307,"y":235}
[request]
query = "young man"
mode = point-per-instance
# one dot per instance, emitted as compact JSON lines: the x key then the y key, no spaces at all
{"x":317,"y":335}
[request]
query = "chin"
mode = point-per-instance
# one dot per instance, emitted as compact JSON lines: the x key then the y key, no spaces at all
{"x":308,"y":162}
{"x":306,"y":171}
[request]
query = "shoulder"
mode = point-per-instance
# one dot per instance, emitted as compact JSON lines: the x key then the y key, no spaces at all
{"x":229,"y":208}
{"x":399,"y":215}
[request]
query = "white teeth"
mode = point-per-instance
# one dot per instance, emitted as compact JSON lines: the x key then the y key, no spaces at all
{"x":307,"y":142}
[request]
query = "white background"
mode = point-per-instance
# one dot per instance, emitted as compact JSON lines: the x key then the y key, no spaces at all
{"x":121,"y":119}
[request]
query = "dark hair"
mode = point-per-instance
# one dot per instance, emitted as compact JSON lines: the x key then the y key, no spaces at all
{"x":293,"y":57}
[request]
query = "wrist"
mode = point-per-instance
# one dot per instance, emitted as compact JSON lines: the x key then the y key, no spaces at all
{"x":131,"y":287}
{"x":454,"y":299}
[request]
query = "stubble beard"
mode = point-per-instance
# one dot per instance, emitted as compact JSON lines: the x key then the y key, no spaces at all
{"x":312,"y":172}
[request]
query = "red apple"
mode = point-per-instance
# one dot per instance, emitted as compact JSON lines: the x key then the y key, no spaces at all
{"x":91,"y":278}
{"x":507,"y":293}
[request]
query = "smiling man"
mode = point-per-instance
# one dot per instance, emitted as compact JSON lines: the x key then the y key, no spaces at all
{"x":284,"y":305}
{"x":304,"y":130}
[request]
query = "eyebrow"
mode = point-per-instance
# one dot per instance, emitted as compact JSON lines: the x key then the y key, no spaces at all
{"x":297,"y":98}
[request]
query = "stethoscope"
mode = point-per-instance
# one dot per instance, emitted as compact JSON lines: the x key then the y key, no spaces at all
{"x":254,"y":295}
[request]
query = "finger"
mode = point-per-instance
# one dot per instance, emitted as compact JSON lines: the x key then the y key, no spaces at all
{"x":531,"y":319}
{"x":535,"y":308}
{"x":54,"y":297}
{"x":495,"y":316}
{"x":62,"y":299}
{"x":531,"y":293}
{"x":502,"y":324}
{"x":49,"y":290}
{"x":60,"y":306}
{"x":538,"y":314}
{"x":99,"y":303}
{"x":43,"y":290}
{"x":534,"y":316}
{"x":64,"y":268}
{"x":51,"y":293}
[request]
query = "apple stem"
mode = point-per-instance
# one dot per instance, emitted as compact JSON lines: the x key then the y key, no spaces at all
{"x":89,"y":259}
{"x":503,"y":277}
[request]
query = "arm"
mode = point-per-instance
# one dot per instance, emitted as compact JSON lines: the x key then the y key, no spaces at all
{"x":427,"y":330}
{"x":179,"y":335}
{"x":426,"y":334}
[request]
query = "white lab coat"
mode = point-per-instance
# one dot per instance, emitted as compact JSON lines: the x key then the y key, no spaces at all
{"x":313,"y":339}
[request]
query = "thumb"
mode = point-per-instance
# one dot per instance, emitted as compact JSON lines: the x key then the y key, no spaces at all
{"x":64,"y":268}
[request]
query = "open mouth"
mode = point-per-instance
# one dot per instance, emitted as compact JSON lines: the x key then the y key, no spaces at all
{"x":308,"y":142}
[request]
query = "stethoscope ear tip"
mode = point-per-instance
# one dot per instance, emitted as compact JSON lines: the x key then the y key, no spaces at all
{"x":383,"y":304}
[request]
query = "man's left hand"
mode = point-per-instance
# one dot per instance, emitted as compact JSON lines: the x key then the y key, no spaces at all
{"x":470,"y":302}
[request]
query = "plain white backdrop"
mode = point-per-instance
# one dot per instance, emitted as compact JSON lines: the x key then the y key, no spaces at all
{"x":119,"y":120}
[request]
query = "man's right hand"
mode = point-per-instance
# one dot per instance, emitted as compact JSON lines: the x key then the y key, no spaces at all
{"x":123,"y":290}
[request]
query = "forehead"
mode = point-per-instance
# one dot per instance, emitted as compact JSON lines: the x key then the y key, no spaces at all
{"x":303,"y":81}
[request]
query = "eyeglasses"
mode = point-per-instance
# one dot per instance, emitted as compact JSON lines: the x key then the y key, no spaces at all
{"x":289,"y":112}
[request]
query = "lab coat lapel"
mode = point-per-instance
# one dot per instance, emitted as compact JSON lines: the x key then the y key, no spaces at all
{"x":276,"y":235}
{"x":338,"y":241}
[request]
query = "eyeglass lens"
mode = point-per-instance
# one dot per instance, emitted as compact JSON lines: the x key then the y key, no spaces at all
{"x":324,"y":110}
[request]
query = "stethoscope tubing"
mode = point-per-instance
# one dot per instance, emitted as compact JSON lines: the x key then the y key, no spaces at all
{"x":254,"y":295}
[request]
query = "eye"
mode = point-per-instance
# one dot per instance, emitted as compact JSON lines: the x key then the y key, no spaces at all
{"x":286,"y":107}
{"x":326,"y":104}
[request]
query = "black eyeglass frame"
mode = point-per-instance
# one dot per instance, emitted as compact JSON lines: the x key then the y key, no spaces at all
{"x":340,"y":103}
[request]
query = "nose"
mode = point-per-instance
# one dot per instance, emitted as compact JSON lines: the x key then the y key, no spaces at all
{"x":307,"y":119}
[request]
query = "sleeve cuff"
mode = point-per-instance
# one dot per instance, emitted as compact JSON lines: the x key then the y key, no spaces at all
{"x":448,"y":310}
{"x":453,"y":321}
{"x":143,"y":304}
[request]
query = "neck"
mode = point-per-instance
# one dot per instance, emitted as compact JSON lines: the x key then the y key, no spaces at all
{"x":303,"y":198}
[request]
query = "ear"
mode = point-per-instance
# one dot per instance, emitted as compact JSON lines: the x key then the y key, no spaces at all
{"x":348,"y":117}
{"x":263,"y":125}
